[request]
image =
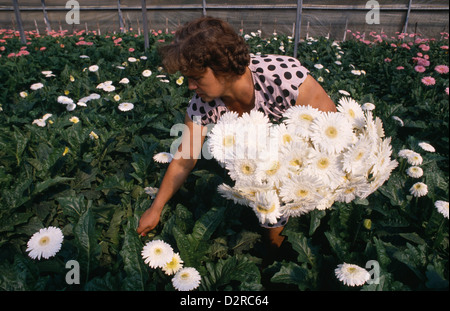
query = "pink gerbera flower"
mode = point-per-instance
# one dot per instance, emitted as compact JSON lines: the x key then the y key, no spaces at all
{"x":441,"y":69}
{"x":419,"y":68}
{"x":424,"y":47}
{"x":428,"y":80}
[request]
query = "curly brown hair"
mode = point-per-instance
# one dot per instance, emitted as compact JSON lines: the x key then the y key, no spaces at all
{"x":206,"y":42}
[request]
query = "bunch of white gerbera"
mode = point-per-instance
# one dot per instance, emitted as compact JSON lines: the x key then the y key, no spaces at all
{"x":310,"y":160}
{"x":159,"y":254}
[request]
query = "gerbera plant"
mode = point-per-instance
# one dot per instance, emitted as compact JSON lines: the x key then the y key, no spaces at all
{"x":308,"y":161}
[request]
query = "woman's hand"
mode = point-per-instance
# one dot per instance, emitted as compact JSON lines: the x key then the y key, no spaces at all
{"x":148,"y":221}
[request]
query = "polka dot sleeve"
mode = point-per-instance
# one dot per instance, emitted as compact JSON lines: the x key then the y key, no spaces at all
{"x":277,"y":80}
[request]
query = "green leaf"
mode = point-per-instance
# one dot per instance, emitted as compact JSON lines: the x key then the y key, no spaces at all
{"x":338,"y":246}
{"x":207,"y":224}
{"x":86,"y":240}
{"x":136,"y":271}
{"x":316,"y":216}
{"x":72,"y":206}
{"x":42,"y":186}
{"x":291,"y":273}
{"x":301,"y":246}
{"x":236,"y":268}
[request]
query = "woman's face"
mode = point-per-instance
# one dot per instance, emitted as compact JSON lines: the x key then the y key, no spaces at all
{"x":207,"y":85}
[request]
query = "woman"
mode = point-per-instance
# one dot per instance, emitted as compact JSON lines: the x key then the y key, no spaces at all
{"x":225,"y":77}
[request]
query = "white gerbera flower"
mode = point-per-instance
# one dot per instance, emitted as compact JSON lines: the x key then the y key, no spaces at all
{"x":232,"y":193}
{"x":368,"y":107}
{"x":284,"y":136}
{"x":65,"y":100}
{"x":243,"y":170}
{"x":352,"y":275}
{"x":356,"y":159}
{"x":374,"y":128}
{"x":296,"y":156}
{"x":274,"y":170}
{"x":223,"y":141}
{"x":301,"y":188}
{"x":344,"y":92}
{"x":45,"y":243}
{"x":174,"y":265}
{"x":442,"y":207}
{"x":157,"y":253}
{"x":125,"y":106}
{"x":39,"y":122}
{"x":414,"y":158}
{"x":419,"y":189}
{"x":266,"y":206}
{"x":36,"y":86}
{"x":352,"y":110}
{"x":414,"y":172}
{"x":318,"y":66}
{"x":186,"y":279}
{"x":163,"y":157}
{"x":147,"y":73}
{"x":382,"y":156}
{"x":427,"y":147}
{"x":93,"y":68}
{"x":297,"y":209}
{"x":124,"y":81}
{"x":109,"y":88}
{"x":405,"y":153}
{"x":327,"y":167}
{"x":331,"y":132}
{"x":301,"y":118}
{"x":352,"y":189}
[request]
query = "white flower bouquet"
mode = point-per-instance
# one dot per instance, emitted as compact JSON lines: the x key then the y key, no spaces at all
{"x":308,"y":161}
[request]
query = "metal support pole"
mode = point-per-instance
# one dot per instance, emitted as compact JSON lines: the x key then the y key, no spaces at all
{"x":405,"y":29}
{"x":47,"y":22}
{"x":298,"y":26}
{"x":19,"y":22}
{"x":145,"y":24}
{"x":204,"y":7}
{"x":121,"y":23}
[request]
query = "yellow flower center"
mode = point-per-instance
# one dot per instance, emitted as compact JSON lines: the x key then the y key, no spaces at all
{"x":274,"y":168}
{"x":302,"y":193}
{"x":228,"y":141}
{"x":262,"y":209}
{"x":306,"y":117}
{"x":287,"y":139}
{"x":331,"y":132}
{"x":247,"y":169}
{"x":350,"y":190}
{"x":296,"y":162}
{"x":351,"y":113}
{"x":44,"y":241}
{"x":184,"y":276}
{"x":351,"y":269}
{"x":323,"y":163}
{"x":359,"y":156}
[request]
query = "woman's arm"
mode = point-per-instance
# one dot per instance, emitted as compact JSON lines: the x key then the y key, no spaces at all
{"x":311,"y":93}
{"x":175,"y":176}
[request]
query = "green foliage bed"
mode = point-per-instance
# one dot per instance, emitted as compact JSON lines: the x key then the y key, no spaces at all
{"x":93,"y":188}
